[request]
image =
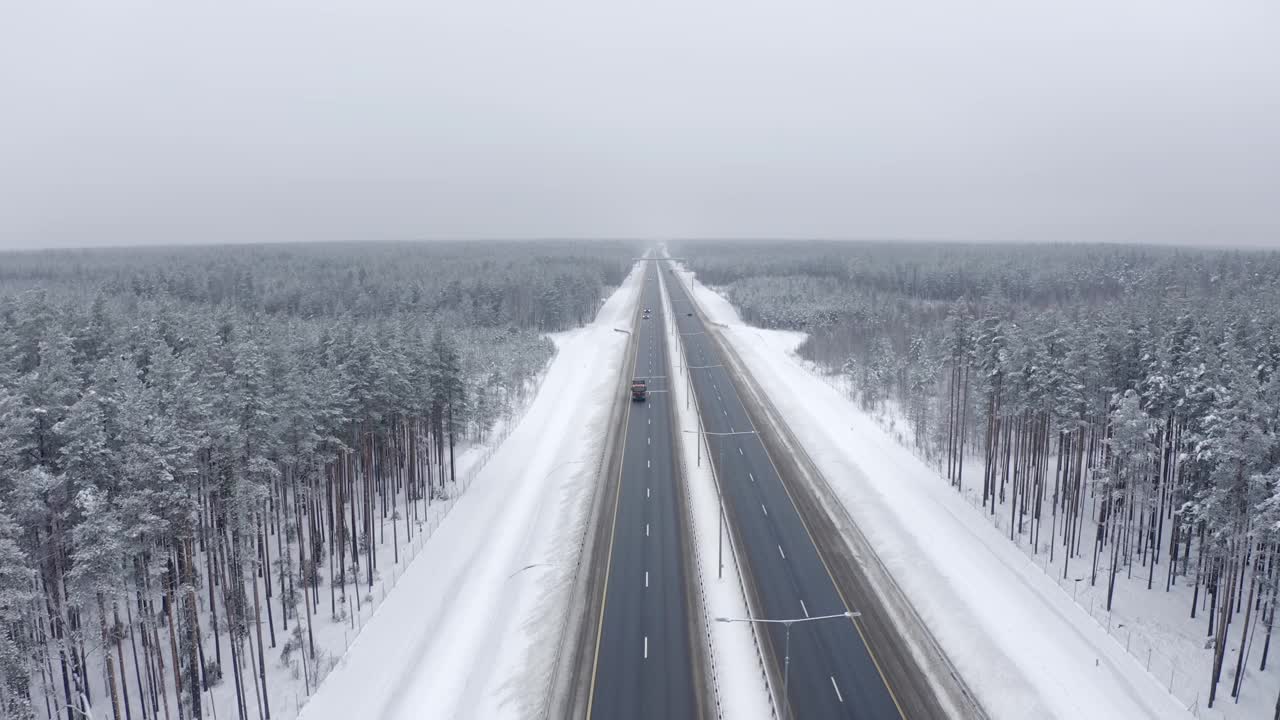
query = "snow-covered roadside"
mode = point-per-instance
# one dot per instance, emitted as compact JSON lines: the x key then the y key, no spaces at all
{"x":288,"y":682}
{"x":737,"y":668}
{"x":1153,"y":625}
{"x":472,"y":630}
{"x":1021,"y":644}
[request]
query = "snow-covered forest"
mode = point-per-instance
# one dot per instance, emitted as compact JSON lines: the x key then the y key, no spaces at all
{"x":1113,"y":409}
{"x":207,"y":455}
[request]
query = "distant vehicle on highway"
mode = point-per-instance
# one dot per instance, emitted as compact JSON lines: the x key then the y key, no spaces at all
{"x":639,"y":390}
{"x":647,"y":312}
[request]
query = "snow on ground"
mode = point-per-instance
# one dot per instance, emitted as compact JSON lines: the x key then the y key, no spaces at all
{"x":737,"y":666}
{"x":288,"y":682}
{"x":1022,"y":645}
{"x":1153,"y":625}
{"x":473,"y":629}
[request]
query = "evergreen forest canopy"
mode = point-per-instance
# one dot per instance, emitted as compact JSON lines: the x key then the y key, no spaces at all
{"x":182,"y":427}
{"x":1130,"y":392}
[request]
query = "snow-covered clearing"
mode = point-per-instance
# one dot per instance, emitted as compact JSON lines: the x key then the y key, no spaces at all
{"x":474,"y":629}
{"x":737,"y":665}
{"x":1019,"y":641}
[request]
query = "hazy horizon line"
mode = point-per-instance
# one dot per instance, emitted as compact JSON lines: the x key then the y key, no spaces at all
{"x":760,"y":239}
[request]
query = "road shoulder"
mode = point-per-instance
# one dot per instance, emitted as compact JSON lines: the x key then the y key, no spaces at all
{"x":925,"y":681}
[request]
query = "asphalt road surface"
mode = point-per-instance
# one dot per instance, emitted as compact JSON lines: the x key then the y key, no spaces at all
{"x":644,"y":660}
{"x":832,"y":673}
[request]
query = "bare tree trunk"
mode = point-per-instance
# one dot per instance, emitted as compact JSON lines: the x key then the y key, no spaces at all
{"x":137,"y":668}
{"x":1220,"y":636}
{"x":257,"y":623}
{"x":335,"y":496}
{"x":264,"y":571}
{"x":355,"y":544}
{"x":396,"y":483}
{"x":964,"y":425}
{"x":952,"y":387}
{"x":173,"y":646}
{"x":281,"y":511}
{"x":107,"y":659}
{"x":1269,"y":611}
{"x":1244,"y":638}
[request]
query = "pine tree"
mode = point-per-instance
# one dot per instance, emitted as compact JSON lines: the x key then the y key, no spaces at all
{"x":17,"y":641}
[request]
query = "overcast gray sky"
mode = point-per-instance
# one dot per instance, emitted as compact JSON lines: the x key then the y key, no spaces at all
{"x":127,"y":121}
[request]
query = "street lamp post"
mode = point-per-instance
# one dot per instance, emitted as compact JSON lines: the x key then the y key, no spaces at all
{"x":688,"y":394}
{"x":786,"y":657}
{"x":719,"y":495}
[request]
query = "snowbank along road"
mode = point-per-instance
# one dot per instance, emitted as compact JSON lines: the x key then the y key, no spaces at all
{"x":833,"y":672}
{"x":646,"y":663}
{"x":1023,"y":647}
{"x":470,"y":627}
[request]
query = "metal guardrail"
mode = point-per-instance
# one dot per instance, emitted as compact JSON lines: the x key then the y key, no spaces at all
{"x":733,"y":545}
{"x":693,"y":527}
{"x":887,"y":585}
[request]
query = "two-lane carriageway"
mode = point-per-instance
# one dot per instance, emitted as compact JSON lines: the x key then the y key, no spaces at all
{"x":644,"y":656}
{"x":833,"y":673}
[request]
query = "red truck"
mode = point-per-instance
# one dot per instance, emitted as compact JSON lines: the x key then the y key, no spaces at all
{"x":639,"y":390}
